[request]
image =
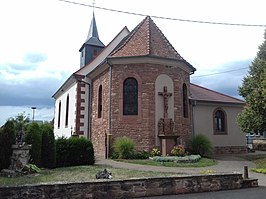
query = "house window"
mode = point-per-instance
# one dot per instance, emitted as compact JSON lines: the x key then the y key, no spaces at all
{"x":130,"y":96}
{"x":59,"y":115}
{"x":219,"y":122}
{"x":67,"y":110}
{"x":100,"y":101}
{"x":185,"y":101}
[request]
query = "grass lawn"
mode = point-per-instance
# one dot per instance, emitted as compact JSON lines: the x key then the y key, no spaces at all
{"x":203,"y":162}
{"x":78,"y":174}
{"x":259,"y":160}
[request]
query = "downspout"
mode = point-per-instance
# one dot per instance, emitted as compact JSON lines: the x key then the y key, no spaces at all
{"x":110,"y":109}
{"x":90,"y":111}
{"x":193,"y":103}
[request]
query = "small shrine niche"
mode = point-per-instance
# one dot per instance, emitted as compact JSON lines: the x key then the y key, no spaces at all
{"x":166,"y":131}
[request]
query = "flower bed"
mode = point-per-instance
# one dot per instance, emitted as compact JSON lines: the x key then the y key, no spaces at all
{"x":178,"y":159}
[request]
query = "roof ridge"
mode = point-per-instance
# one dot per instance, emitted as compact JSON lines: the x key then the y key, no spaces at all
{"x":149,"y":35}
{"x":167,"y":41}
{"x":217,"y":92}
{"x":125,"y":28}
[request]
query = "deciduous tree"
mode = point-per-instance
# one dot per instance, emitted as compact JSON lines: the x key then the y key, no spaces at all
{"x":253,"y":90}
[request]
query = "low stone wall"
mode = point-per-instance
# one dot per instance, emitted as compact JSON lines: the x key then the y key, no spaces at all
{"x":118,"y":189}
{"x":259,"y":144}
{"x":226,"y":150}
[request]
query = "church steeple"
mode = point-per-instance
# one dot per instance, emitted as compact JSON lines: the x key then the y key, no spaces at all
{"x":92,"y":46}
{"x":93,"y":32}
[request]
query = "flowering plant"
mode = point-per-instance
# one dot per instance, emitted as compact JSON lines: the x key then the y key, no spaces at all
{"x":155,"y":152}
{"x":178,"y":150}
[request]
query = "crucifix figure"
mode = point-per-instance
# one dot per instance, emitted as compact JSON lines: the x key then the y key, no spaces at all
{"x":165,"y":95}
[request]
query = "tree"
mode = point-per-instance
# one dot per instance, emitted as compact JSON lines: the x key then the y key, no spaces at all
{"x":7,"y":138}
{"x":34,"y":137}
{"x":20,"y":122}
{"x":253,"y":89}
{"x":48,"y":146}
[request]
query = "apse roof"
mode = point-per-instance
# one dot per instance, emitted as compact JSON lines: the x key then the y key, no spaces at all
{"x":147,"y":39}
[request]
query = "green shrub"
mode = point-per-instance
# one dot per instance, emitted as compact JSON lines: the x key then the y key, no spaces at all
{"x":114,"y":155}
{"x":178,"y":150}
{"x":178,"y":159}
{"x":48,"y":146}
{"x":124,"y":147}
{"x":200,"y":144}
{"x":34,"y":137}
{"x":7,"y":138}
{"x":61,"y":151}
{"x":140,"y":155}
{"x":31,"y":168}
{"x":155,"y":152}
{"x":74,"y":151}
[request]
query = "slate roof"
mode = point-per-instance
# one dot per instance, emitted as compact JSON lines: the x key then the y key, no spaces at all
{"x":147,"y":39}
{"x":93,"y":36}
{"x":203,"y":94}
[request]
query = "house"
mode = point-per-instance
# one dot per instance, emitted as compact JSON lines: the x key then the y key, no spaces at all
{"x":137,"y":86}
{"x":214,"y":115}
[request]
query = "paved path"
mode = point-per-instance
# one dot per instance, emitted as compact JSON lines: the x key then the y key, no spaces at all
{"x":226,"y":164}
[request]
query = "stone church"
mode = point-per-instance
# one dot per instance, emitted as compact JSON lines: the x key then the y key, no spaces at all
{"x":137,"y":86}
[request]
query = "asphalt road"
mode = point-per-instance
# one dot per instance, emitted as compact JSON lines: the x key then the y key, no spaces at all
{"x":250,"y":193}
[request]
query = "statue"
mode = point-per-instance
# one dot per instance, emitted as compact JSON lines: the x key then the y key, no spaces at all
{"x":165,"y":95}
{"x":20,"y":138}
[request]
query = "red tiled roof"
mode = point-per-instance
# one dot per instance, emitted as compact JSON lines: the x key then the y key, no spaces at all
{"x":204,"y":94}
{"x":146,"y":39}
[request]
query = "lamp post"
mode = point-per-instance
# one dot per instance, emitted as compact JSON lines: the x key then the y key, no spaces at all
{"x":33,"y":111}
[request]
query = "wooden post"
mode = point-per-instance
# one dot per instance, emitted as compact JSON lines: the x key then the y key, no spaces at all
{"x":245,"y":172}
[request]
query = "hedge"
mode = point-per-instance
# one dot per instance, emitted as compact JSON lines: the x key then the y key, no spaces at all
{"x":74,"y":151}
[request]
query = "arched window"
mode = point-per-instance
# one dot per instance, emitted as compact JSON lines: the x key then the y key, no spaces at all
{"x":67,"y":110}
{"x":59,"y":114}
{"x":185,"y":101}
{"x":100,"y":101}
{"x":219,"y":122}
{"x":130,"y":96}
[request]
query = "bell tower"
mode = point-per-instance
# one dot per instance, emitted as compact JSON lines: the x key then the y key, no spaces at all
{"x":92,"y":46}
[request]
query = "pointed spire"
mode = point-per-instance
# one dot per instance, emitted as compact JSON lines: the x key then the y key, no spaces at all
{"x":92,"y":46}
{"x":93,"y":32}
{"x":93,"y":37}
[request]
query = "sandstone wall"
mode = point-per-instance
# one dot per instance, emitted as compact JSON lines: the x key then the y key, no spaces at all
{"x":117,"y":189}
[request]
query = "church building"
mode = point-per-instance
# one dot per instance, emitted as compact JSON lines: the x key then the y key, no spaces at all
{"x":139,"y":86}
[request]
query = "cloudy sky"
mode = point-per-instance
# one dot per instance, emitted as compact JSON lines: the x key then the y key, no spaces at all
{"x":40,"y":39}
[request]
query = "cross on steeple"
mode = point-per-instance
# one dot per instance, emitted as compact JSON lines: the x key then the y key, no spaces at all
{"x":166,"y":95}
{"x":93,"y":4}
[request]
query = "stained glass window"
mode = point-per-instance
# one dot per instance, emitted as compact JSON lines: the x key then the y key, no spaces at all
{"x":100,"y":101}
{"x":130,"y":96}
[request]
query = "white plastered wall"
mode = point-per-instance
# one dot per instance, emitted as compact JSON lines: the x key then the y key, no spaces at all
{"x":64,"y":130}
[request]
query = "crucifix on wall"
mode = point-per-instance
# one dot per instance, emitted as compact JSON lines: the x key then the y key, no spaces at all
{"x":166,"y":95}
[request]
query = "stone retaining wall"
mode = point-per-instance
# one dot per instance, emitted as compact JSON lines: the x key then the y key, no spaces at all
{"x":226,"y":150}
{"x":259,"y":144}
{"x":117,"y":189}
